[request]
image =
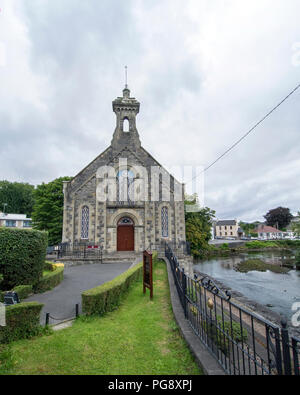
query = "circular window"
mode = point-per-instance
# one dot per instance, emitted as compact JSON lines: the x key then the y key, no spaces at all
{"x":125,"y":221}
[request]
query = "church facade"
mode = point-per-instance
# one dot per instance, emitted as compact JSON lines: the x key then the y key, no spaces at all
{"x":124,"y":200}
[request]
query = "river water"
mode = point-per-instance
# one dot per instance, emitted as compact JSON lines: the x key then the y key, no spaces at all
{"x":277,"y":291}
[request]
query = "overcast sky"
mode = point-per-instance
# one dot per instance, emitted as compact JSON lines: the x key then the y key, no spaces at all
{"x":205,"y":71}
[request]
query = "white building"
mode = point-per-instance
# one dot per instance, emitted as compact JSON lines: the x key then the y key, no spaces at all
{"x":15,"y":221}
{"x":268,"y":233}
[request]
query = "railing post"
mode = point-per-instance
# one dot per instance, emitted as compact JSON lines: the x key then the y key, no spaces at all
{"x":77,"y":310}
{"x":183,"y":277}
{"x":47,"y":319}
{"x":286,"y":348}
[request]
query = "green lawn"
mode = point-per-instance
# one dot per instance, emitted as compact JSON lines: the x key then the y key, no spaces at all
{"x":139,"y":338}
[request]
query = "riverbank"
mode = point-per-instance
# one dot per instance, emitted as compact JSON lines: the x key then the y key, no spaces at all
{"x":259,"y":309}
{"x":234,"y":248}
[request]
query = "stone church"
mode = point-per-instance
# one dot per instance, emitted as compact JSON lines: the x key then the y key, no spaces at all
{"x":124,"y":200}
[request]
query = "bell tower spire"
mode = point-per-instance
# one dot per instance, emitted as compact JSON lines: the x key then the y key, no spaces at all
{"x":126,"y":109}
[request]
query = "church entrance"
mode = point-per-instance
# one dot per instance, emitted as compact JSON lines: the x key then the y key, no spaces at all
{"x":125,"y":235}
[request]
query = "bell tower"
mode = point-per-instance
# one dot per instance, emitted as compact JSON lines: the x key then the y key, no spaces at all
{"x":126,"y":109}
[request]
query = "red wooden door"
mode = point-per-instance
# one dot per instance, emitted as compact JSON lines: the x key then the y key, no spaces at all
{"x":125,"y":238}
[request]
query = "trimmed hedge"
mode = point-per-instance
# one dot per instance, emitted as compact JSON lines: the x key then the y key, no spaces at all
{"x":50,"y":280}
{"x":22,"y":322}
{"x":108,"y":296}
{"x":22,"y":256}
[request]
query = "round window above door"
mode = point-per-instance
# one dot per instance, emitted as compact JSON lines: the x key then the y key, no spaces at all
{"x":125,"y":221}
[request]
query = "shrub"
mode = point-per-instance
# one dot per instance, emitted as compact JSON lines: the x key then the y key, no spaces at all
{"x":50,"y":280}
{"x":220,"y":333}
{"x":261,"y":244}
{"x":224,"y":246}
{"x":48,"y":266}
{"x":22,"y":321}
{"x":22,"y":256}
{"x":107,"y":297}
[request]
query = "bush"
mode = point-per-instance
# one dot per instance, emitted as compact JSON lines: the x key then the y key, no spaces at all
{"x":107,"y":297}
{"x":224,"y":246}
{"x":261,"y":244}
{"x":51,"y":279}
{"x":22,"y":322}
{"x":22,"y":256}
{"x":221,"y":336}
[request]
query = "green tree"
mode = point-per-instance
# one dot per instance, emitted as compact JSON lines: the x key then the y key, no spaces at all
{"x":249,"y":228}
{"x":48,"y":209}
{"x":17,"y":197}
{"x":198,"y":225}
{"x":279,"y":217}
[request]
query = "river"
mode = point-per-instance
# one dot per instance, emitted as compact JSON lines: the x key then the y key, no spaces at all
{"x":277,"y":291}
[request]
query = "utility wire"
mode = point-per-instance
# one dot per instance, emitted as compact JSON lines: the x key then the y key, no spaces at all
{"x":242,"y":138}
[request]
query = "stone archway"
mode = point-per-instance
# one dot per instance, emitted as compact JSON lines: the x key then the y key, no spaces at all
{"x":125,"y":234}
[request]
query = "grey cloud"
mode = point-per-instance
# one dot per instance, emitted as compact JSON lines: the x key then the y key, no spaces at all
{"x":203,"y":78}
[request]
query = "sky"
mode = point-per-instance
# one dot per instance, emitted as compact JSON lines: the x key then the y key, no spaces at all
{"x":204,"y":71}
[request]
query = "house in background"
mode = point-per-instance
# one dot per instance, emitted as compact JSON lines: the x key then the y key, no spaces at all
{"x":268,"y":233}
{"x":15,"y":221}
{"x":228,"y":229}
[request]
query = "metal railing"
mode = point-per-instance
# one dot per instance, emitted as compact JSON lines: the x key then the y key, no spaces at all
{"x":243,"y":342}
{"x":48,"y":316}
{"x":80,"y":251}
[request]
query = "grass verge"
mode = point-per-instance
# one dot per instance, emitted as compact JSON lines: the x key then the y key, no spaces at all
{"x":139,"y":338}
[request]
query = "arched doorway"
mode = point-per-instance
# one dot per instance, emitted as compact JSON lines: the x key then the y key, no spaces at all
{"x":125,"y":234}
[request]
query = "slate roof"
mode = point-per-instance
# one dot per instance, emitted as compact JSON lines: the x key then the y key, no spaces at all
{"x":227,"y":222}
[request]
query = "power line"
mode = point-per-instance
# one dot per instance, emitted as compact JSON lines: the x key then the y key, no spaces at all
{"x":245,"y":135}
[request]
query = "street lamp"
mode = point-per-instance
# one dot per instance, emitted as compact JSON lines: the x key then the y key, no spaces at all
{"x":4,"y":206}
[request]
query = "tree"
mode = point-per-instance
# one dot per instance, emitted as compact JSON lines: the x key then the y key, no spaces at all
{"x":247,"y":228}
{"x":198,"y":226}
{"x":48,"y":209}
{"x":279,"y":217}
{"x":17,"y":197}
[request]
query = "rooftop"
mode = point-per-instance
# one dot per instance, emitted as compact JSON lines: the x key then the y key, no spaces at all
{"x":14,"y":217}
{"x":226,"y":222}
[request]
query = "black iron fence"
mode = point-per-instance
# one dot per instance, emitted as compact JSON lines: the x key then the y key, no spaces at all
{"x":243,"y":342}
{"x":79,"y":251}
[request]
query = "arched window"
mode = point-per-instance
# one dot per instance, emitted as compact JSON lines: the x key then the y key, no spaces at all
{"x":125,"y":179}
{"x":164,"y":222}
{"x":85,"y":219}
{"x":125,"y":125}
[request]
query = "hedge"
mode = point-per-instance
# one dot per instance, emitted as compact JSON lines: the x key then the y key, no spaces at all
{"x":22,"y":321}
{"x":108,"y":296}
{"x":22,"y":256}
{"x":50,"y":280}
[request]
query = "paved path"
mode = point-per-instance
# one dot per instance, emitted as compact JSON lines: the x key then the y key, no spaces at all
{"x":60,"y":302}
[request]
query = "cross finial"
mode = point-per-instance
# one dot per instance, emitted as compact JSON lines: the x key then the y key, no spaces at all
{"x":126,"y":86}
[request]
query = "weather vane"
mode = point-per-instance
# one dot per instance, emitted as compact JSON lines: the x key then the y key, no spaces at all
{"x":126,"y":86}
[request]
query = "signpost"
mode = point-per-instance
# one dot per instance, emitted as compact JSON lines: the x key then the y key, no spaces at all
{"x":148,"y":272}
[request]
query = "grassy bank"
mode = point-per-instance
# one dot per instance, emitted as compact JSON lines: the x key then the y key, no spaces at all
{"x":259,"y":266}
{"x":252,"y":246}
{"x":140,"y":337}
